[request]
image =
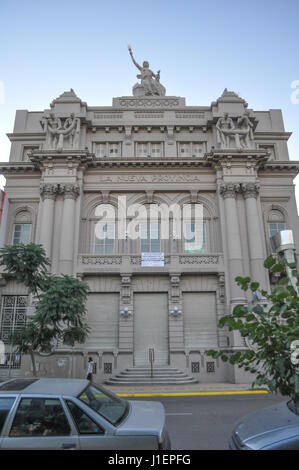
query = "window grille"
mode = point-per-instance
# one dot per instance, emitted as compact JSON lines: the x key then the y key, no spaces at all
{"x":12,"y":315}
{"x":210,"y":367}
{"x":195,"y":367}
{"x":107,"y":367}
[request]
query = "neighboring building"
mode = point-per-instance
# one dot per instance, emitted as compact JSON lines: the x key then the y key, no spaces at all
{"x":69,"y":160}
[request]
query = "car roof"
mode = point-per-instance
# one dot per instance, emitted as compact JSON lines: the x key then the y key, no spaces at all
{"x":43,"y":386}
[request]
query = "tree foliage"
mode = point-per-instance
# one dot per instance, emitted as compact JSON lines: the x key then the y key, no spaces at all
{"x":60,"y":302}
{"x":271,"y":326}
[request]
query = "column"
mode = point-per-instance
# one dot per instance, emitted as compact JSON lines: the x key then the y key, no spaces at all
{"x":70,"y":192}
{"x":234,"y":252}
{"x":48,"y":194}
{"x":255,"y":237}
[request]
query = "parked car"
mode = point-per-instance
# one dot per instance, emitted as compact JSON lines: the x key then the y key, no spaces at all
{"x":275,"y":427}
{"x":76,"y":414}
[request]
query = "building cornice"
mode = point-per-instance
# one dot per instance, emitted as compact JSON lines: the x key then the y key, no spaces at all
{"x":289,"y":166}
{"x":21,"y":136}
{"x":17,"y":167}
{"x":272,"y":135}
{"x":237,"y":156}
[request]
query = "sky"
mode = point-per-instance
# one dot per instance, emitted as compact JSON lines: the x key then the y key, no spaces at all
{"x":200,"y":46}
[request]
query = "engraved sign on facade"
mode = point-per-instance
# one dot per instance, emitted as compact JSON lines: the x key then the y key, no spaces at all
{"x":152,"y":260}
{"x":157,"y":178}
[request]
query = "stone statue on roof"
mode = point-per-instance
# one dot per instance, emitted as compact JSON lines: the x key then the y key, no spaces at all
{"x":150,"y":82}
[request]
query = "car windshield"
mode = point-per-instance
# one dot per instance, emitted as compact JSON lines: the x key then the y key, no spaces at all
{"x":109,"y":406}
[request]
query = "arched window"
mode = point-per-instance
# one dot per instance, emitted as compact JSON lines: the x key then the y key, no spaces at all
{"x":276,"y":222}
{"x":194,"y":232}
{"x":104,"y":230}
{"x":22,"y":228}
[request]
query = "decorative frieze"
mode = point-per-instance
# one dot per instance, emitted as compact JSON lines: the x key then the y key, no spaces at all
{"x":108,"y":116}
{"x":148,"y":115}
{"x":189,"y":115}
{"x":199,"y":259}
{"x":100,"y":259}
{"x":128,"y":102}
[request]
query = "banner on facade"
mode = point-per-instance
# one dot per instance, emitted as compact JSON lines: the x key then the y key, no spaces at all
{"x":152,"y":260}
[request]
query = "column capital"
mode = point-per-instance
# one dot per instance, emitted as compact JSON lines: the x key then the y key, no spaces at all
{"x":48,"y":190}
{"x":250,"y":190}
{"x":229,"y":190}
{"x":69,"y":190}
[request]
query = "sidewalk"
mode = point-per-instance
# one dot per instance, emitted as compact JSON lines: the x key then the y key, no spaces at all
{"x":184,"y":390}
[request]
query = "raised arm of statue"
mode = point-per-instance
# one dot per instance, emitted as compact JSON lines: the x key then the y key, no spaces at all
{"x":133,"y":60}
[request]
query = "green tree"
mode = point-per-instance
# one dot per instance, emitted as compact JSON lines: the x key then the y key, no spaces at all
{"x":60,"y":302}
{"x":271,"y":327}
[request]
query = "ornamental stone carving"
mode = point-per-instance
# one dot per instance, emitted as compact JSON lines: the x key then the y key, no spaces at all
{"x":245,"y":128}
{"x":241,"y":132}
{"x":143,"y":102}
{"x":250,"y":190}
{"x":126,"y":297}
{"x":150,"y":82}
{"x":103,"y":259}
{"x":199,"y":259}
{"x":175,"y":297}
{"x":69,"y":191}
{"x":229,"y":190}
{"x":61,"y":134}
{"x":221,"y":284}
{"x":49,"y":191}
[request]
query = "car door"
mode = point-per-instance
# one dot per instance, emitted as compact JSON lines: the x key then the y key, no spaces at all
{"x":93,"y":435}
{"x":96,"y":434}
{"x":40,"y":422}
{"x":6,"y":406}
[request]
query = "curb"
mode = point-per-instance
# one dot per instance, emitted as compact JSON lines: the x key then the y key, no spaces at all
{"x":188,"y":394}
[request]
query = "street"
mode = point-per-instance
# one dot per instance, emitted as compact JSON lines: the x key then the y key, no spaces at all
{"x":206,"y":422}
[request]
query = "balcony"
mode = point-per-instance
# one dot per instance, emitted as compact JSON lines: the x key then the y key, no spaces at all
{"x":131,"y":263}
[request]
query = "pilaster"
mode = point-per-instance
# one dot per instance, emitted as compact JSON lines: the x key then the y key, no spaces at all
{"x":126,"y":317}
{"x":48,"y":194}
{"x":176,"y":323}
{"x":70,"y":193}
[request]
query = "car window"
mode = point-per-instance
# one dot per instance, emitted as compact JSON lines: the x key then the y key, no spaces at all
{"x":5,"y":407}
{"x":40,"y":417}
{"x":106,"y":404}
{"x":83,"y":422}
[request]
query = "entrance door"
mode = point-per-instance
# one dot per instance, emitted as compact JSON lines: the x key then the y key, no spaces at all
{"x":102,"y":318}
{"x":150,"y":328}
{"x":200,"y":324}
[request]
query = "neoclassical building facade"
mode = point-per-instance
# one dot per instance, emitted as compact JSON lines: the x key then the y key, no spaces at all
{"x":68,"y":161}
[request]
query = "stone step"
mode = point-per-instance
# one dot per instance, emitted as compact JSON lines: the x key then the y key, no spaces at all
{"x":149,"y":381}
{"x":148,"y":372}
{"x":142,"y":375}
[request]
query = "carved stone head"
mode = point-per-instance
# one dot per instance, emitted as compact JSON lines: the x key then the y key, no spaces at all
{"x":145,"y":64}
